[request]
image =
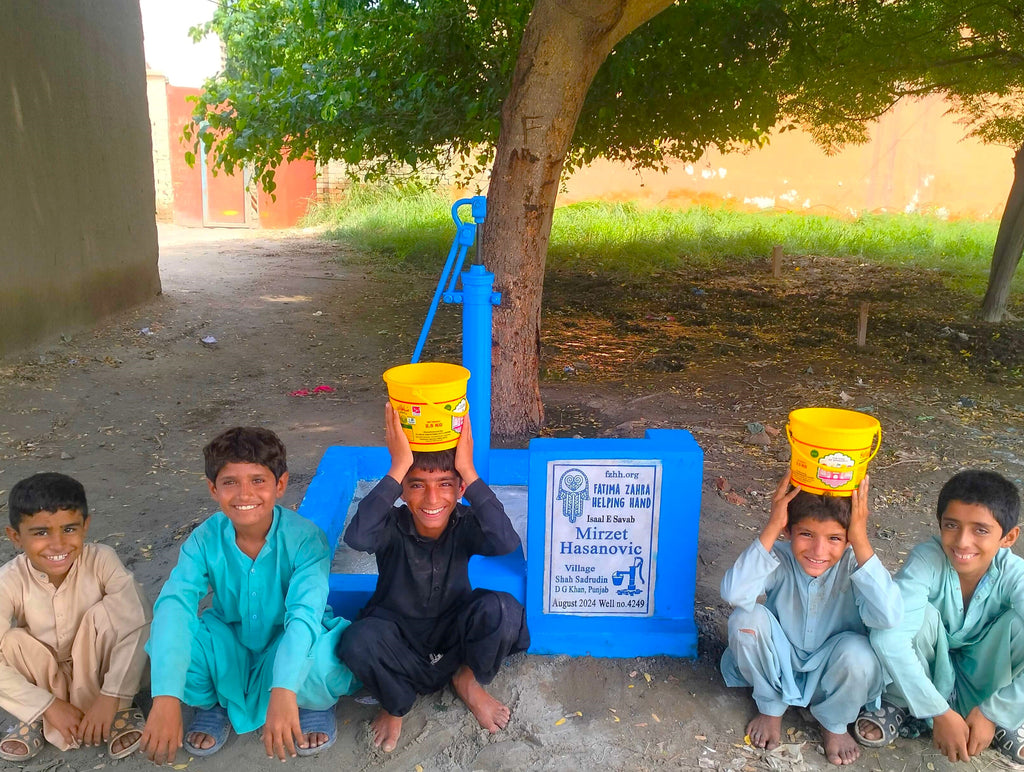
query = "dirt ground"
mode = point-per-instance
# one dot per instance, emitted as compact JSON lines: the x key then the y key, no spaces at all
{"x":127,"y":407}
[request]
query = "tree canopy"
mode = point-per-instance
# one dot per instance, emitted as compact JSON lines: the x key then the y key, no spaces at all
{"x":524,"y":88}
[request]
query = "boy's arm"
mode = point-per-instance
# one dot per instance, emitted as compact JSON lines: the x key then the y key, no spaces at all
{"x":176,"y":618}
{"x":895,"y":646}
{"x":304,"y":606}
{"x":857,"y":532}
{"x":367,"y":531}
{"x":18,"y":696}
{"x":749,"y":577}
{"x":494,"y":533}
{"x":130,"y":614}
{"x":1003,"y":707}
{"x":877,"y":596}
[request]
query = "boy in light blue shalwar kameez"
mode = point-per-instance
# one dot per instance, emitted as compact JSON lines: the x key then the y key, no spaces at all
{"x":958,"y":657}
{"x":807,"y":645}
{"x":262,"y":656}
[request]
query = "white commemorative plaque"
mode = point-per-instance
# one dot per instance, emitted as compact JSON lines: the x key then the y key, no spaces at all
{"x":602,"y":528}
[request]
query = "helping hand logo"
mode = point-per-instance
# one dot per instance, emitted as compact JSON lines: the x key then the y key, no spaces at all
{"x":573,"y":490}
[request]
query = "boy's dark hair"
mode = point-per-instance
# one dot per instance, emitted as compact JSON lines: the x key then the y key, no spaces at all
{"x":45,"y":492}
{"x":245,"y":445}
{"x":819,"y":507}
{"x":434,"y":460}
{"x":990,"y":489}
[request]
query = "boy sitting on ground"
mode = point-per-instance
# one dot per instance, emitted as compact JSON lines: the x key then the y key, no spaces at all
{"x":73,"y":626}
{"x":263,"y":654}
{"x":424,"y":624}
{"x":807,"y":645}
{"x":958,"y":657}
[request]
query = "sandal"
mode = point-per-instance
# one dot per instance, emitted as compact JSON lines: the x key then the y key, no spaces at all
{"x":889,"y":718}
{"x":126,"y":721}
{"x":1010,"y":743}
{"x":213,"y":722}
{"x":29,"y":735}
{"x":322,"y":721}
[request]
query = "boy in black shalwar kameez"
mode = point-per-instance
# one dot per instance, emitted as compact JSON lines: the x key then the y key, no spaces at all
{"x":424,"y":624}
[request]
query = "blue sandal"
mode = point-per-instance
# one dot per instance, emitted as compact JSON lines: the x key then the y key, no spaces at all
{"x":1010,"y":743}
{"x":323,"y":721}
{"x":213,"y":722}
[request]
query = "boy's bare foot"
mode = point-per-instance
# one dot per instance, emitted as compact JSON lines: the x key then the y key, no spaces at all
{"x":869,"y":730}
{"x":200,"y":740}
{"x":315,"y":739}
{"x":840,"y":749}
{"x":386,"y":731}
{"x":14,"y":747}
{"x":492,"y":714}
{"x":765,"y":731}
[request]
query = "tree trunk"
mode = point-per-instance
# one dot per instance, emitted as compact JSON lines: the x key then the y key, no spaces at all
{"x":563,"y":46}
{"x":1009,"y":246}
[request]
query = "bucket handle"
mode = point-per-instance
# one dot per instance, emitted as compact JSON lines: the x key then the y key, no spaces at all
{"x":877,"y":439}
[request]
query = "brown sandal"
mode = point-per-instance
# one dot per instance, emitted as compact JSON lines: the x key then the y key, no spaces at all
{"x":125,"y":722}
{"x":29,"y":735}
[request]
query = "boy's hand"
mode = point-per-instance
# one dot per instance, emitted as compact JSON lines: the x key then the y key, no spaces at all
{"x":282,"y":731}
{"x":950,"y":734}
{"x":397,"y":444}
{"x":857,"y":533}
{"x":162,"y":736}
{"x":779,"y":516}
{"x":982,"y":731}
{"x":65,"y":718}
{"x":94,"y":727}
{"x":464,"y":455}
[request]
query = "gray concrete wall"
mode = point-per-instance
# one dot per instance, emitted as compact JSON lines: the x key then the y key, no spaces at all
{"x":77,"y":227}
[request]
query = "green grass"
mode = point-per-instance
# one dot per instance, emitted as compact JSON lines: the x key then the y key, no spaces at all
{"x":413,"y":226}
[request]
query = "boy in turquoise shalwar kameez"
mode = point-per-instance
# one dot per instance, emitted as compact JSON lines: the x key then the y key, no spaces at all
{"x":958,"y":657}
{"x":263,"y":654}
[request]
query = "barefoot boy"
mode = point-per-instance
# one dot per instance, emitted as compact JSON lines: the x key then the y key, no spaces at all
{"x":808,"y":644}
{"x":424,"y":625}
{"x":73,"y":626}
{"x":263,"y":654}
{"x":958,"y":656}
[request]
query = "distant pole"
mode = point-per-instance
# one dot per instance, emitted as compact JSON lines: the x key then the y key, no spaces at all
{"x":777,"y":261}
{"x":862,"y":325}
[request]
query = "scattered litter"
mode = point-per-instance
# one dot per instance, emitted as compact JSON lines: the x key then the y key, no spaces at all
{"x":722,"y":484}
{"x":323,"y":389}
{"x":145,"y":331}
{"x":642,"y":723}
{"x":632,"y":673}
{"x":771,"y":430}
{"x":698,"y":291}
{"x":418,"y":767}
{"x":701,"y":737}
{"x":209,"y":340}
{"x":844,"y":396}
{"x":367,"y":699}
{"x":321,"y":313}
{"x":755,"y":428}
{"x":299,"y":393}
{"x":560,"y":722}
{"x":734,"y":498}
{"x":65,"y":456}
{"x":787,"y":757}
{"x":967,"y":402}
{"x":647,"y":677}
{"x":655,"y":717}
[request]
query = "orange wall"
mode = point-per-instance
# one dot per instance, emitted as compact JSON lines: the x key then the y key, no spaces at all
{"x":917,"y":160}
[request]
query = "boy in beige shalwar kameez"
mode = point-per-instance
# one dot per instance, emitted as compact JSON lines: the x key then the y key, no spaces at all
{"x":73,"y":626}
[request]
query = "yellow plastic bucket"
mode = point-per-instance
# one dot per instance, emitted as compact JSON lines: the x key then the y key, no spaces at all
{"x":831,"y":448}
{"x":430,"y":399}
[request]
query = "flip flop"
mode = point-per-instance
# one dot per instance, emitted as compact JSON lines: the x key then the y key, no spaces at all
{"x":1010,"y":743}
{"x":213,"y":722}
{"x":126,"y":721}
{"x":29,"y":735}
{"x":318,"y":721}
{"x":889,"y":718}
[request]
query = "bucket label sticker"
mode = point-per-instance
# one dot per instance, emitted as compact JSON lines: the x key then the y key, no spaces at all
{"x":601,"y":537}
{"x":836,"y":469}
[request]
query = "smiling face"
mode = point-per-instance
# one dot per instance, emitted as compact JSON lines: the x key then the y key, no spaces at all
{"x":971,"y":537}
{"x":247,"y":494}
{"x":431,"y":497}
{"x":52,"y":541}
{"x":817,"y":544}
